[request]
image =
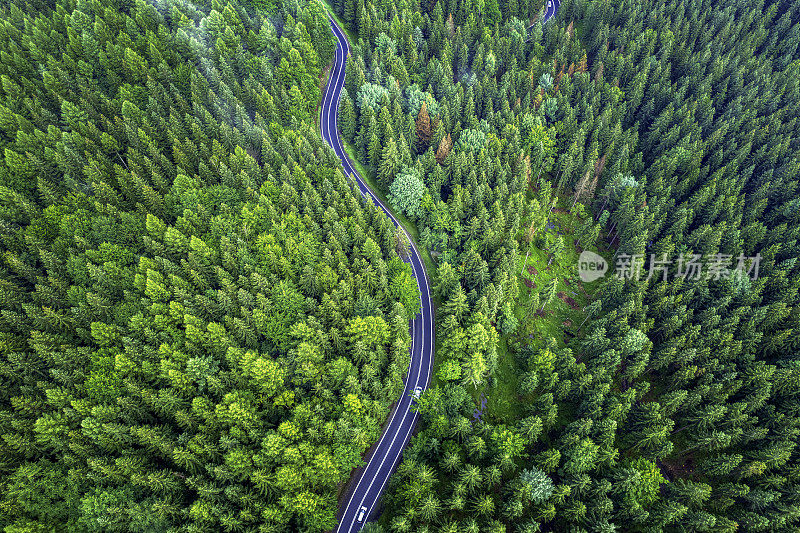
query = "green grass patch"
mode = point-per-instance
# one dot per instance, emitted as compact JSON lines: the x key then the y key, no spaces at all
{"x":504,"y":403}
{"x":559,"y":317}
{"x":559,"y":321}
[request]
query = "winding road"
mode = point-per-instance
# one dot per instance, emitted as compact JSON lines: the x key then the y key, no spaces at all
{"x":550,"y":9}
{"x":386,"y":453}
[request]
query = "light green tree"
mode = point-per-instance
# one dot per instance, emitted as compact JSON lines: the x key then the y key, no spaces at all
{"x":406,"y":192}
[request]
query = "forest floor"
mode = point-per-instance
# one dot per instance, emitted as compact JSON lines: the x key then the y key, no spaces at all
{"x":560,"y":319}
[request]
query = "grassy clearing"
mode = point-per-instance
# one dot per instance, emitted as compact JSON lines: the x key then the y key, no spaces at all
{"x":504,"y":402}
{"x":559,"y":320}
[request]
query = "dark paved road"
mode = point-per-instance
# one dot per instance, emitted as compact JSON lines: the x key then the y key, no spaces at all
{"x":550,"y":9}
{"x":386,"y":454}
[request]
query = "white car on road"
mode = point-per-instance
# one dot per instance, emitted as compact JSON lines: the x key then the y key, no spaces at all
{"x":361,"y":514}
{"x":417,"y":392}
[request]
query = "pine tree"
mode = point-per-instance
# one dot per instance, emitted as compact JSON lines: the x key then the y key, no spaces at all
{"x":423,"y":128}
{"x":445,"y":145}
{"x":374,"y":149}
{"x":549,"y":293}
{"x":389,"y":164}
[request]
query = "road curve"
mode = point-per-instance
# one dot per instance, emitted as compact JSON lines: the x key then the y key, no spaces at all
{"x":550,"y":9}
{"x":386,"y":454}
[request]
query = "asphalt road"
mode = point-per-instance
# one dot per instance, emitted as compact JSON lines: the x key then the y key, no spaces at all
{"x":386,"y":454}
{"x":550,"y":9}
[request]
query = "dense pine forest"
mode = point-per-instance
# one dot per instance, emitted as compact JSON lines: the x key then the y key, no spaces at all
{"x":204,"y":326}
{"x":661,"y":404}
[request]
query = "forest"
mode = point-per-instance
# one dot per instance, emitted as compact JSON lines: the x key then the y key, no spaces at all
{"x":630,"y":128}
{"x":204,"y":326}
{"x":202,"y":323}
